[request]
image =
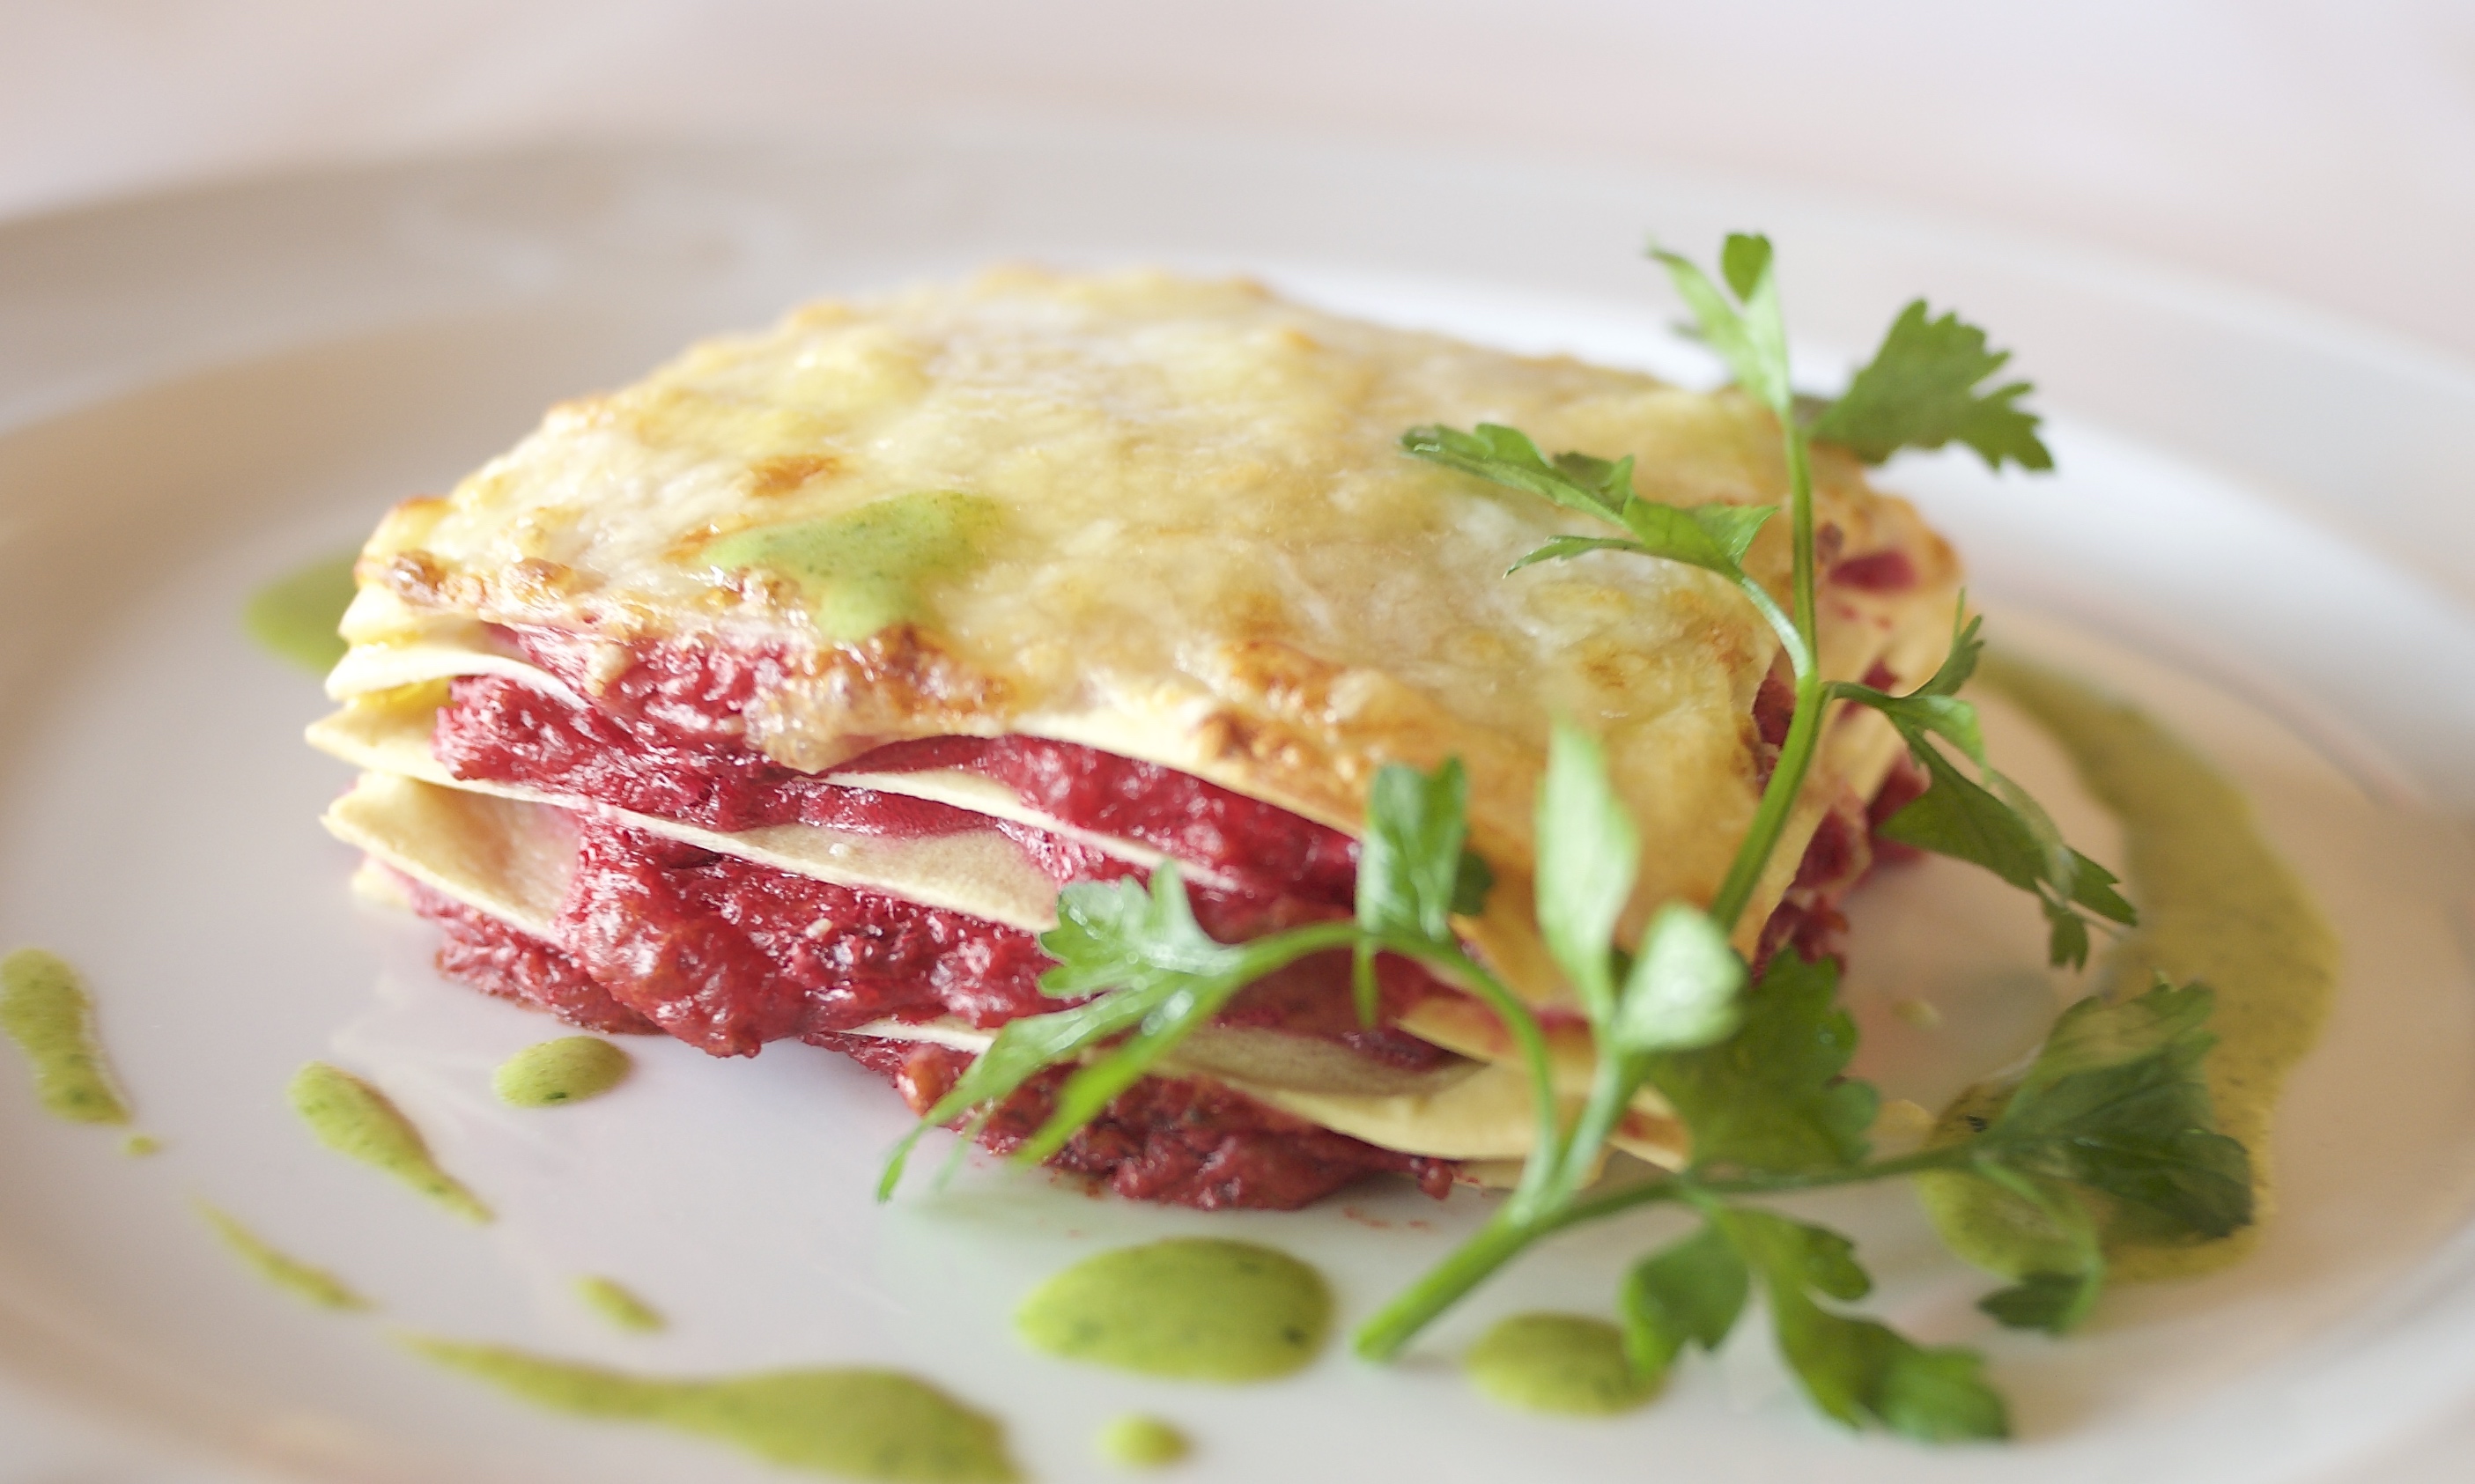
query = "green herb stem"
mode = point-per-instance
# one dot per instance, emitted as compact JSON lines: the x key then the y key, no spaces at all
{"x":1677,"y":1187}
{"x":1799,"y":488}
{"x":1515,"y":1226}
{"x":1611,"y":1088}
{"x":1779,"y":800}
{"x":1804,"y":728}
{"x":1537,"y":1171}
{"x":1502,"y":1239}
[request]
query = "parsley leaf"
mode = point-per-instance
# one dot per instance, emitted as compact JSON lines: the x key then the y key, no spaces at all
{"x":1023,"y":1049}
{"x":1588,"y":853}
{"x":1960,"y":664}
{"x":1152,"y":970}
{"x":2054,"y":1302}
{"x":1688,"y":1293}
{"x":1772,"y":1097}
{"x":2066,"y":1267}
{"x":1681,"y":992}
{"x":1959,"y":818}
{"x":1732,"y":527}
{"x":1995,"y":824}
{"x":1920,"y":391}
{"x":2116,"y":1102}
{"x":1934,"y":707}
{"x":1753,"y":342}
{"x":1714,"y":536}
{"x":1123,"y":932}
{"x":1856,"y":1370}
{"x":2114,"y":1112}
{"x":1413,"y":874}
{"x":1506,"y":456}
{"x":1564,"y":549}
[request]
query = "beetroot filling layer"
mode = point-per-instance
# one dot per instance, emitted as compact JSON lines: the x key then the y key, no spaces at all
{"x":1173,"y":1140}
{"x":674,"y":718}
{"x":669,"y":915}
{"x":1170,"y":1139}
{"x":726,"y":955}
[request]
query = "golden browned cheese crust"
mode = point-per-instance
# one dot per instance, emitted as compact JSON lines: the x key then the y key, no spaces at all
{"x":1171,"y":519}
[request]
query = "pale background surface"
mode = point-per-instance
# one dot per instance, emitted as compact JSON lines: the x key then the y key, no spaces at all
{"x":2323,"y":152}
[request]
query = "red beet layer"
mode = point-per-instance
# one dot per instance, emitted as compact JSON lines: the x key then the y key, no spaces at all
{"x":726,"y":955}
{"x":1173,"y":1140}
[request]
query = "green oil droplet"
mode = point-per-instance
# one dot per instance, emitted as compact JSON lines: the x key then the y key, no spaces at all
{"x":1196,"y":1308}
{"x":294,"y":617}
{"x":864,"y":569}
{"x":568,"y":1070}
{"x":624,"y":1309}
{"x":1143,"y":1443}
{"x":44,"y":1008}
{"x":1560,"y":1363}
{"x":2216,"y":905}
{"x":355,"y":1120}
{"x":316,"y":1285}
{"x":861,"y":1424}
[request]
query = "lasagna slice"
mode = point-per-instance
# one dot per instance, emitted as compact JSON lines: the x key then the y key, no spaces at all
{"x":778,"y":695}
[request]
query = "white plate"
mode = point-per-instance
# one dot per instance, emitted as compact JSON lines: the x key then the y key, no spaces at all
{"x":199,"y":392}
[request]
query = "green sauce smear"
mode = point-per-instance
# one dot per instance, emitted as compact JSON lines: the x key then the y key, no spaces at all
{"x":867,"y":568}
{"x":861,"y":1424}
{"x":1140,"y":1442}
{"x":624,"y":1309}
{"x":355,"y":1119}
{"x":1192,"y":1308}
{"x":138,"y":1146}
{"x":44,"y":1008}
{"x":1560,"y":1363}
{"x":2216,"y":905}
{"x":568,"y":1070}
{"x":317,"y":1285}
{"x":294,"y":617}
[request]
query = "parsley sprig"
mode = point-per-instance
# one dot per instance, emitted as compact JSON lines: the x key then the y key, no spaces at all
{"x":2108,"y":1130}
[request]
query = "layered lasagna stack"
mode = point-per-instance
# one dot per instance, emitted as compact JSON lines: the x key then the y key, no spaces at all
{"x":778,"y":695}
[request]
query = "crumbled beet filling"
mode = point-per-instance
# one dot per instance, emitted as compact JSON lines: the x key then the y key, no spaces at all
{"x":503,"y":961}
{"x":678,"y":708}
{"x":726,"y":955}
{"x":1170,"y":1139}
{"x":1263,"y":846}
{"x":502,"y":730}
{"x":1887,"y":571}
{"x":651,"y":902}
{"x":1808,"y":917}
{"x":1179,"y":1141}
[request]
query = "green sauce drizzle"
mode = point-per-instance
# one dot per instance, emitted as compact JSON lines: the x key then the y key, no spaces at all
{"x":2216,"y":905}
{"x":355,"y":1119}
{"x":44,"y":1008}
{"x":866,"y":569}
{"x":866,"y":1424}
{"x":317,"y":1285}
{"x":606,"y":1297}
{"x":1560,"y":1363}
{"x":294,"y":617}
{"x":138,"y":1146}
{"x":568,"y":1070}
{"x":1195,"y":1308}
{"x":1143,"y":1443}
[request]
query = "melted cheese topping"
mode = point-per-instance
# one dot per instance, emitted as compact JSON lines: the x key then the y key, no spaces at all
{"x":1170,"y":519}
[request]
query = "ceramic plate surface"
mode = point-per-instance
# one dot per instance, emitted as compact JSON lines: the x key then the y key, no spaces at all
{"x":2259,"y":533}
